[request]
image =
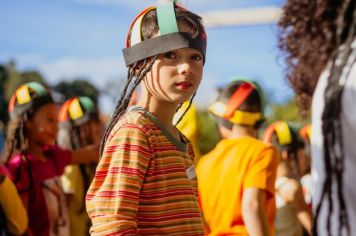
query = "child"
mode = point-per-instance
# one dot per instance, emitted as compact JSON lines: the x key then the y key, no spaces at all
{"x":13,"y":215}
{"x":236,"y":179}
{"x":305,"y":164}
{"x":145,"y":182}
{"x":36,"y":163}
{"x":292,"y":211}
{"x":79,"y":126}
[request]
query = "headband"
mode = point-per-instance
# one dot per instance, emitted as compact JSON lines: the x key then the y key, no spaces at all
{"x":27,"y":97}
{"x":282,"y":130}
{"x":231,"y":112}
{"x":77,"y":111}
{"x":305,"y":132}
{"x":169,"y":39}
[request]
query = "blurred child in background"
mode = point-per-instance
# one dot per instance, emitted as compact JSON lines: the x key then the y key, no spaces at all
{"x":79,"y":126}
{"x":236,"y":179}
{"x":292,"y":211}
{"x":36,"y":163}
{"x":305,"y":164}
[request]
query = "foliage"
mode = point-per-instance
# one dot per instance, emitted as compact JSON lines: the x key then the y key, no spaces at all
{"x":15,"y":79}
{"x":208,"y":133}
{"x":78,"y":87}
{"x":288,"y":111}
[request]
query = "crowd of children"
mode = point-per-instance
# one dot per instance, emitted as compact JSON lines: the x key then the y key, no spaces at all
{"x":148,"y":176}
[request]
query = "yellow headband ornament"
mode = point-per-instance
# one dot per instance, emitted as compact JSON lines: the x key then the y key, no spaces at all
{"x":238,"y":117}
{"x":283,"y":133}
{"x":23,"y":95}
{"x":75,"y":110}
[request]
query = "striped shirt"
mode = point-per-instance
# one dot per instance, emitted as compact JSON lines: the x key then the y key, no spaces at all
{"x":143,"y":184}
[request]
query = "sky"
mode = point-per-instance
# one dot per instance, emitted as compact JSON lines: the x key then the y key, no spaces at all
{"x":69,"y":39}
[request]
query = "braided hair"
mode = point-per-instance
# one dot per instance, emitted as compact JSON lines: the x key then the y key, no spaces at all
{"x":138,"y":71}
{"x":20,"y":113}
{"x":15,"y":138}
{"x":314,"y":33}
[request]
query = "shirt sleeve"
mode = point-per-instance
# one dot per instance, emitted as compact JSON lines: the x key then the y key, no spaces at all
{"x":262,"y":171}
{"x":113,"y":197}
{"x":11,"y":204}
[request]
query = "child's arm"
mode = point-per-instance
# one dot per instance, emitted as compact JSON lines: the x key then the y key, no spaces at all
{"x":253,"y":212}
{"x":86,"y":155}
{"x":11,"y":204}
{"x":113,"y":197}
{"x":258,"y":186}
{"x":292,"y":192}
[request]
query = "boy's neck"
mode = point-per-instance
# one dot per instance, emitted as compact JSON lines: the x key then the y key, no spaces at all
{"x":239,"y":131}
{"x":164,"y":113}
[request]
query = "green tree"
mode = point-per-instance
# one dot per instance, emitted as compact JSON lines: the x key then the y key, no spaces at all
{"x":78,"y":87}
{"x":17,"y":78}
{"x":288,"y":111}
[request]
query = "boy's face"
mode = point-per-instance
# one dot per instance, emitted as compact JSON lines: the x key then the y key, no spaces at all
{"x":175,"y":76}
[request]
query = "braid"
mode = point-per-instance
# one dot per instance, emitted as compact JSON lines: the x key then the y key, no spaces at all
{"x":125,"y":98}
{"x":186,"y":110}
{"x":117,"y":110}
{"x":13,"y":138}
{"x":332,"y":128}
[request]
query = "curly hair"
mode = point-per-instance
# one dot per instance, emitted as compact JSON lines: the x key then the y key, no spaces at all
{"x":314,"y":34}
{"x":308,"y":37}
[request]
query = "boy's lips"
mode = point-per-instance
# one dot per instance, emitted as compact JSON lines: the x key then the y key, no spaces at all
{"x":184,"y":85}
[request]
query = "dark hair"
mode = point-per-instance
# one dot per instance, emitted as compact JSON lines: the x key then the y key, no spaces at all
{"x":72,"y":137}
{"x":253,"y":103}
{"x":312,"y":33}
{"x":15,"y":138}
{"x":20,"y":113}
{"x":140,"y":69}
{"x":291,"y":149}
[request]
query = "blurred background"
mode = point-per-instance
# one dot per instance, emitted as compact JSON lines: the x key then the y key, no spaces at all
{"x":75,"y":47}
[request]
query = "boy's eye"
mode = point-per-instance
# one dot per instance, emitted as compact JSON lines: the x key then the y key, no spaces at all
{"x":196,"y":57}
{"x":169,"y":55}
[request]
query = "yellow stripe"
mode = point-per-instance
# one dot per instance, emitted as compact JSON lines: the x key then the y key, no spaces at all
{"x":283,"y":133}
{"x":239,"y":117}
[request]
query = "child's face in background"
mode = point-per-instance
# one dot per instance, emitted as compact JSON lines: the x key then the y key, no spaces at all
{"x":42,"y":126}
{"x":176,"y":75}
{"x":304,"y":161}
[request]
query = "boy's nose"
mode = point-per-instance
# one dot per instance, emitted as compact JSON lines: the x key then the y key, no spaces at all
{"x":184,"y":68}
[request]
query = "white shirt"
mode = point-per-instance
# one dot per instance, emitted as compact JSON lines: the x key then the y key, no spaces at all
{"x":348,"y":121}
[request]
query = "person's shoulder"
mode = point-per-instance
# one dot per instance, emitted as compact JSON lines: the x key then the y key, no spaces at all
{"x":257,"y":145}
{"x":290,"y":189}
{"x":131,"y":120}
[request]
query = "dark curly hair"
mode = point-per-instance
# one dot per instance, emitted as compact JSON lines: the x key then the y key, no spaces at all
{"x":314,"y":33}
{"x":308,"y":37}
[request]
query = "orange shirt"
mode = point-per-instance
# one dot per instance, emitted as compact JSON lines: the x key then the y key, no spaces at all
{"x":223,"y":175}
